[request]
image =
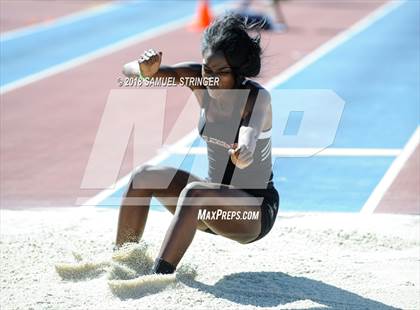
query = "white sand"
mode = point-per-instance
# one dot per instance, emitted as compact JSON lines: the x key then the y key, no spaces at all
{"x":308,"y":261}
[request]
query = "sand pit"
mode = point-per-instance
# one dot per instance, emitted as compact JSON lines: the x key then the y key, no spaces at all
{"x":63,"y":259}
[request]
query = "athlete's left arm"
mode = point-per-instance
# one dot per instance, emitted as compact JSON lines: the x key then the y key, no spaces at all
{"x":242,"y":156}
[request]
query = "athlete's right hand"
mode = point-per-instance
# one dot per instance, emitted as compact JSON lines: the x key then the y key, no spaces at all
{"x":149,"y":62}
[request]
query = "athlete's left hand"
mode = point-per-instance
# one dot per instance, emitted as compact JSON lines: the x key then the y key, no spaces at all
{"x":241,"y":156}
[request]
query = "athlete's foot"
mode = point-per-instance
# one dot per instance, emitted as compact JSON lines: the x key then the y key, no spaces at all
{"x":163,"y":267}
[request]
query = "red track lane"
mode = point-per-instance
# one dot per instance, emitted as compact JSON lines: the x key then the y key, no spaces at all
{"x":403,"y":195}
{"x":48,"y":127}
{"x":22,"y":13}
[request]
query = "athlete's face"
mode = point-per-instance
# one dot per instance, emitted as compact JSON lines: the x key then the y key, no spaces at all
{"x":216,"y":65}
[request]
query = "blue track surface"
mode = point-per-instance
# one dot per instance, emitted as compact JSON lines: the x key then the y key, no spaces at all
{"x":41,"y":50}
{"x":377,"y":74}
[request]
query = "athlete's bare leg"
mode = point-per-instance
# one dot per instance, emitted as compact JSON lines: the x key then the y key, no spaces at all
{"x":210,"y":197}
{"x":164,"y":183}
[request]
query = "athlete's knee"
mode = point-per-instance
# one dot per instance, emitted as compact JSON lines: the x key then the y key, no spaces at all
{"x":188,"y":201}
{"x":194,"y":189}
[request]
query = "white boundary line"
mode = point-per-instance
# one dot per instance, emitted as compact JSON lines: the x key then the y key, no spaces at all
{"x":305,"y":152}
{"x":57,"y":22}
{"x":334,"y":42}
{"x":390,"y":175}
{"x":181,"y":148}
{"x":282,"y":77}
{"x":93,"y":55}
{"x":187,"y":139}
{"x":109,"y":49}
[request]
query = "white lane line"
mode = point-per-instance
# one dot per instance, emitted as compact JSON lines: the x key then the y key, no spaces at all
{"x":146,"y":35}
{"x":166,"y":152}
{"x":56,"y":22}
{"x":305,"y":152}
{"x":132,"y":40}
{"x":280,"y":78}
{"x":339,"y":39}
{"x":392,"y":172}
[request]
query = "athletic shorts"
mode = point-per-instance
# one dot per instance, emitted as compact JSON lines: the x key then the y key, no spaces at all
{"x":269,"y":209}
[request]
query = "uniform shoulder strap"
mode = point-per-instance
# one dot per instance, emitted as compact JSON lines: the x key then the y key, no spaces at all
{"x":249,"y":106}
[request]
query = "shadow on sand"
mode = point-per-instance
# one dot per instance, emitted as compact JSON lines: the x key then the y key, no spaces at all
{"x":270,"y":289}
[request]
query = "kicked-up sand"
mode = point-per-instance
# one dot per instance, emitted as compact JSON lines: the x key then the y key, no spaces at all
{"x":63,"y":259}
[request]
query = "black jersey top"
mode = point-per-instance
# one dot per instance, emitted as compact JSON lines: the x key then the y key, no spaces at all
{"x":221,"y":135}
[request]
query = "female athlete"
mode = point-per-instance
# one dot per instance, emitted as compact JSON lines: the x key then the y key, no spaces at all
{"x":237,"y":131}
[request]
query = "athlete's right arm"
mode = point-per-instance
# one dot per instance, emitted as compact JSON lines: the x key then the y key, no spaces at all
{"x":150,"y":66}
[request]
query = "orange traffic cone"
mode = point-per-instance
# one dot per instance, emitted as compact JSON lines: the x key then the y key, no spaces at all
{"x":204,"y":16}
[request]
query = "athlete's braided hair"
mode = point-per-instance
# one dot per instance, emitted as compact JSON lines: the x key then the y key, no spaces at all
{"x":228,"y":33}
